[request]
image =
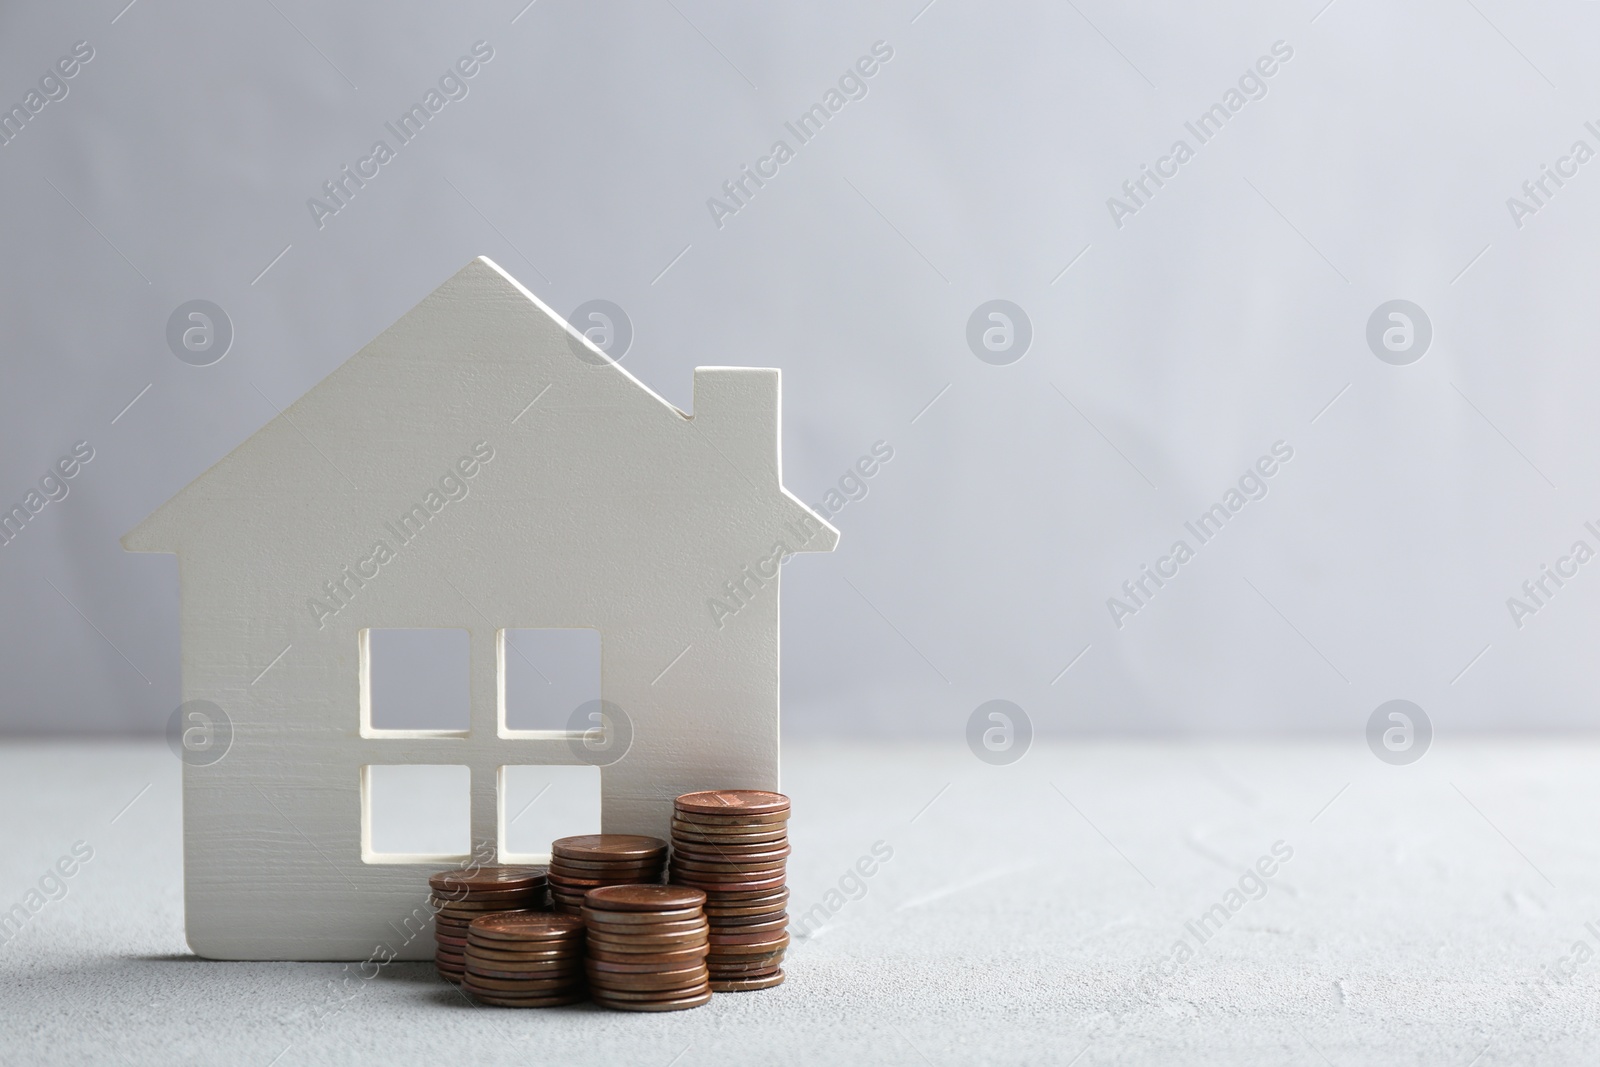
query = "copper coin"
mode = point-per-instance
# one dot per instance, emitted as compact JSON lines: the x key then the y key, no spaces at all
{"x":608,"y":846}
{"x":645,"y":964}
{"x":582,"y":868}
{"x":450,"y":924}
{"x":451,"y":960}
{"x":581,"y":884}
{"x":750,"y":970}
{"x":676,"y":1004}
{"x":648,"y":994}
{"x":570,"y":972}
{"x":745,"y":953}
{"x":720,"y":942}
{"x":527,"y":926}
{"x":739,"y":985}
{"x":682,"y":835}
{"x":735,"y":923}
{"x":489,"y":878}
{"x":735,"y":910}
{"x":738,"y":881}
{"x":648,"y":942}
{"x":530,"y":1002}
{"x":728,"y":829}
{"x":729,"y":872}
{"x":629,"y":918}
{"x":474,"y":908}
{"x":612,"y":981}
{"x":770,"y":928}
{"x":776,"y":850}
{"x":732,"y":802}
{"x":719,"y":855}
{"x":601,"y":940}
{"x":744,"y":970}
{"x":677,"y":928}
{"x":510,"y":893}
{"x":477,"y":951}
{"x":660,"y":954}
{"x":452,"y":942}
{"x":748,"y":823}
{"x":529,"y":986}
{"x":730,"y":864}
{"x":548,"y":946}
{"x":703,"y":824}
{"x":714,"y":888}
{"x":751,"y":899}
{"x":656,"y":898}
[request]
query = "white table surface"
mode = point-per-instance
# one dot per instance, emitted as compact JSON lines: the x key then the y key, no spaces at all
{"x":1024,"y":918}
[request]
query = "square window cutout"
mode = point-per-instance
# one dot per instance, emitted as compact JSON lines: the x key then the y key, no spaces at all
{"x":416,"y":681}
{"x":415,"y":813}
{"x":540,"y":804}
{"x":549,"y":675}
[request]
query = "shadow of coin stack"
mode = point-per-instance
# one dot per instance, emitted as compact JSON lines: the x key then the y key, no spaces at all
{"x":579,"y":864}
{"x":733,"y":844}
{"x":646,"y":947}
{"x":525,"y":960}
{"x":459,"y":896}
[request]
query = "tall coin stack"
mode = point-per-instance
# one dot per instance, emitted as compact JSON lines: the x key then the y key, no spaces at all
{"x":579,"y":864}
{"x":647,"y":947}
{"x":459,"y":896}
{"x":525,"y":960}
{"x":732,"y":844}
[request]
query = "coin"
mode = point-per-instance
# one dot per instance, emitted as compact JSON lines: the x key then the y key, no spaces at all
{"x":775,"y":925}
{"x":693,"y":880}
{"x":529,"y":1002}
{"x":608,"y":846}
{"x":581,"y":868}
{"x":737,"y":985}
{"x":752,"y":853}
{"x":739,"y":953}
{"x":664,"y":955}
{"x":676,"y":1004}
{"x":732,"y":801}
{"x":652,"y":898}
{"x":523,"y":985}
{"x":533,"y":925}
{"x":486,"y":878}
{"x":676,"y":928}
{"x":473,"y":908}
{"x":646,"y":963}
{"x":721,"y":941}
{"x":612,"y":981}
{"x":566,"y":970}
{"x":648,"y":942}
{"x":728,"y":872}
{"x":695,"y":835}
{"x":477,"y":951}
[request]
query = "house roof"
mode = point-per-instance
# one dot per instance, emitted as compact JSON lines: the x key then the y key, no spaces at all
{"x":476,"y":328}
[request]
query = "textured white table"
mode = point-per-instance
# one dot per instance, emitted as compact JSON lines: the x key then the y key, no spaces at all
{"x":1024,"y":918}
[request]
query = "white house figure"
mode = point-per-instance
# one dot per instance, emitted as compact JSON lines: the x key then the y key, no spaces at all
{"x":593,"y":503}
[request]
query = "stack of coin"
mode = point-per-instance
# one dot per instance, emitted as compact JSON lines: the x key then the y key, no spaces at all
{"x":733,"y":844}
{"x":525,"y":959}
{"x":647,"y":947}
{"x":579,"y":864}
{"x":460,"y":896}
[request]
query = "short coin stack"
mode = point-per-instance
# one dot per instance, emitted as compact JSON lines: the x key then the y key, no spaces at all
{"x":525,"y":960}
{"x":579,"y":864}
{"x":732,"y":844}
{"x":647,"y":947}
{"x":459,"y":896}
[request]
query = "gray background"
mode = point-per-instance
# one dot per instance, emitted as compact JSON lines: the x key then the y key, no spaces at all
{"x":1228,"y":314}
